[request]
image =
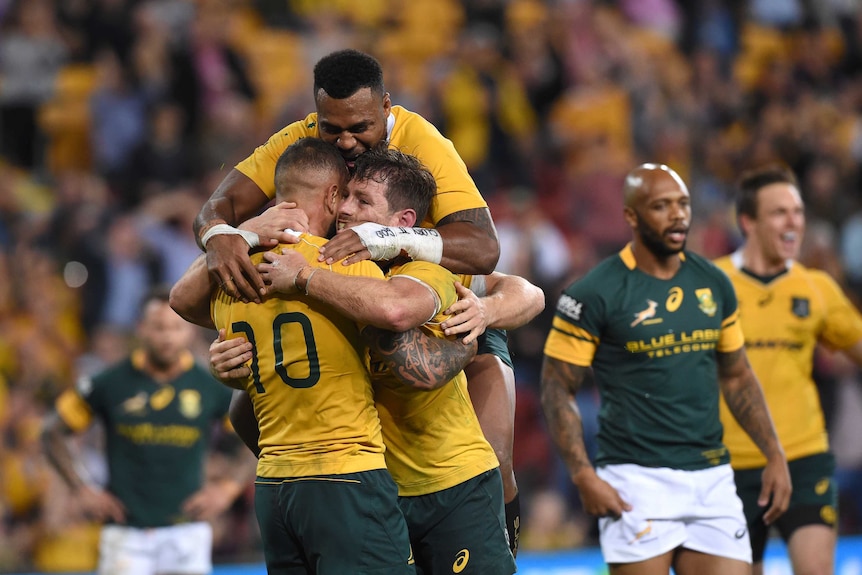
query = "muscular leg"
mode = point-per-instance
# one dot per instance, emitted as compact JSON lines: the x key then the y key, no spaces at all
{"x":688,"y":562}
{"x":812,"y":550}
{"x":491,"y":384}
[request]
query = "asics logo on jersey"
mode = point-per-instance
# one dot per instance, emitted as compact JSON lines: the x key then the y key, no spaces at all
{"x":461,"y":561}
{"x":570,"y":306}
{"x":648,"y":313}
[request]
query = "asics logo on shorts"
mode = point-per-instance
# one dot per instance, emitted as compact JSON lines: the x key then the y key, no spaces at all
{"x":740,"y":533}
{"x":461,"y":561}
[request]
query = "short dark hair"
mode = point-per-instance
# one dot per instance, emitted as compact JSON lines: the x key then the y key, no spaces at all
{"x":159,"y":293}
{"x":409,"y":184}
{"x":341,"y":74}
{"x":751,"y":181}
{"x":310,"y":154}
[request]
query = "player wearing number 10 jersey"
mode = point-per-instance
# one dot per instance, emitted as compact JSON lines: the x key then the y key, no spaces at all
{"x":325,"y":502}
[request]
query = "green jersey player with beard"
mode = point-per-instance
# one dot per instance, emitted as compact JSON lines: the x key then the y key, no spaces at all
{"x":659,"y":327}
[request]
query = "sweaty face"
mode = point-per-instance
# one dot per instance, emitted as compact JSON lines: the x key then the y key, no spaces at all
{"x":663,"y":216}
{"x":164,"y":335}
{"x":354,"y":124}
{"x":780,"y":222}
{"x":364,"y":201}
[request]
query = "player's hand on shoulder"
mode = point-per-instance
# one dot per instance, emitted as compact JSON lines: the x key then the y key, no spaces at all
{"x":345,"y":243}
{"x":279,"y":271}
{"x":776,"y":488}
{"x":468,"y":315}
{"x":270,"y":226}
{"x":598,"y":497}
{"x":228,"y":360}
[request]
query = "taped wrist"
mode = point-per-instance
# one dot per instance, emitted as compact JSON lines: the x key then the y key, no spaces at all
{"x":251,"y":238}
{"x":385,"y":242}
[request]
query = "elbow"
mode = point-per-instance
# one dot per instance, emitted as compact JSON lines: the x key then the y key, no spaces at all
{"x":178,"y":303}
{"x":487,"y":256}
{"x":398,"y":317}
{"x":537,"y":301}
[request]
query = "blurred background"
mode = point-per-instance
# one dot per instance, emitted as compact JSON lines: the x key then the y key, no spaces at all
{"x":118,"y":118}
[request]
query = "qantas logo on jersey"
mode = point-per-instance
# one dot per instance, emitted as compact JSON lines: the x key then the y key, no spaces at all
{"x":774,"y":344}
{"x":570,"y":307}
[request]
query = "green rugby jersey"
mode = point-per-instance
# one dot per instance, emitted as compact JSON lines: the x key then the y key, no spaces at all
{"x":156,"y":434}
{"x":652,"y":344}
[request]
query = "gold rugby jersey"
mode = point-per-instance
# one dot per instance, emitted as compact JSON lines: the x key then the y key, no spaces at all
{"x":783,"y":320}
{"x":310,"y":385}
{"x":408,"y":132}
{"x":433,"y":438}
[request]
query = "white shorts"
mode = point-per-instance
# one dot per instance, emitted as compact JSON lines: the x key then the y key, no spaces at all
{"x":185,"y":548}
{"x":697,"y":510}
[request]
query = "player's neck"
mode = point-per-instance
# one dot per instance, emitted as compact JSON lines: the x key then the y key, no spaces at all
{"x":163,"y":373}
{"x":756,"y":262}
{"x":661,"y":266}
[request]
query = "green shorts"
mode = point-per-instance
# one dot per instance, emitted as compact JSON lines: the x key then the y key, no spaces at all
{"x":332,"y":525}
{"x":461,"y":529}
{"x":495,"y":342}
{"x":813,"y":502}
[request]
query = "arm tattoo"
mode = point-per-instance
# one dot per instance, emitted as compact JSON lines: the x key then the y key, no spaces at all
{"x":417,"y":359}
{"x":560,"y":383}
{"x":745,"y":400}
{"x":480,"y":217}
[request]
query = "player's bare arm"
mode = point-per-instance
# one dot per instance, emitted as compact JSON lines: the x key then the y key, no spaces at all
{"x":101,"y":504}
{"x":190,"y":296}
{"x":244,"y":422}
{"x":397,"y":304}
{"x":560,"y":382}
{"x":470,"y":244}
{"x":508,"y":302}
{"x":746,"y":402}
{"x":418,"y":360}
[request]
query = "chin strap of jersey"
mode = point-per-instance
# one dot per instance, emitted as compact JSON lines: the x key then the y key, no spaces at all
{"x":386,"y":242}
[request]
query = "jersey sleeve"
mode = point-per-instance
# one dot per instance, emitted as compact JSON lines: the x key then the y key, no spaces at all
{"x":438,"y":279}
{"x":73,"y":405}
{"x":842,"y":323}
{"x":259,"y":167}
{"x":577,"y":326}
{"x":456,"y":190}
{"x":731,"y":337}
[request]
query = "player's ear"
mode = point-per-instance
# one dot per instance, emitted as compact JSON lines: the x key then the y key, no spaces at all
{"x":407,"y":218}
{"x":332,"y":198}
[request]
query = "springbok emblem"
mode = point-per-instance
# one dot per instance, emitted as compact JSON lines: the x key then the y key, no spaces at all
{"x":645,"y":314}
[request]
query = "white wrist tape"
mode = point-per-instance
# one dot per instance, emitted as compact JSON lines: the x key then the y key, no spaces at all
{"x":384,"y":243}
{"x":251,"y":238}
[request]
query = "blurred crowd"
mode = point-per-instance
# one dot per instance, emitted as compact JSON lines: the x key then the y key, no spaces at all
{"x":119,"y":117}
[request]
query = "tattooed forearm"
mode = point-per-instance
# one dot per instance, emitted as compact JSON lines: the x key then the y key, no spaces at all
{"x":745,"y":400}
{"x":417,"y":359}
{"x":560,"y":382}
{"x":470,"y":244}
